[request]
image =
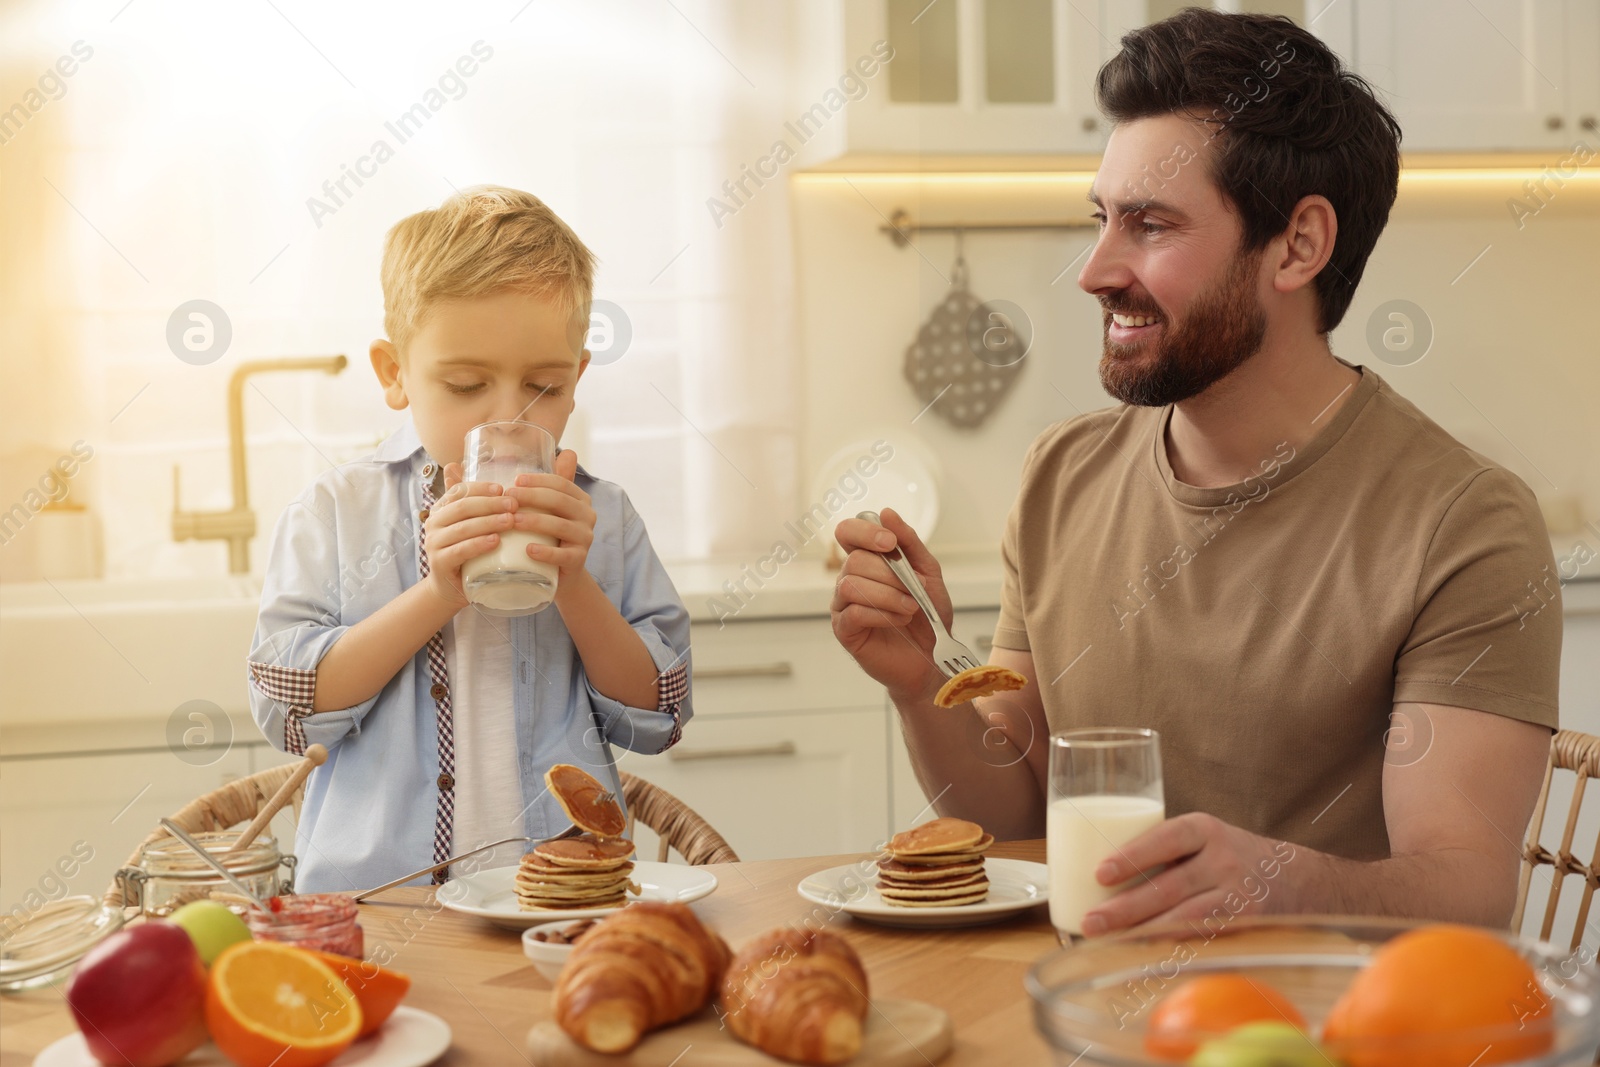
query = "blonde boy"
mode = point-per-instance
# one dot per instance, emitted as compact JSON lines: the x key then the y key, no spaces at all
{"x":439,"y":720}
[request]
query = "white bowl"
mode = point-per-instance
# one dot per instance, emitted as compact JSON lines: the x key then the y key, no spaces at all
{"x":547,"y":959}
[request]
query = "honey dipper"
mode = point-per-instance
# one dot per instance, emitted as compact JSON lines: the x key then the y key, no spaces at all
{"x":315,"y":756}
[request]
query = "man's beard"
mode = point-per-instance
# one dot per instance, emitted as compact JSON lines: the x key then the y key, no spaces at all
{"x":1221,"y":329}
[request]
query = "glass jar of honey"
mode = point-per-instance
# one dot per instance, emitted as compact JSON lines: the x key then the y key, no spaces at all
{"x":169,"y":875}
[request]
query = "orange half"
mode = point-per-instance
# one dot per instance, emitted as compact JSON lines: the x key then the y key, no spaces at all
{"x":378,"y":990}
{"x":274,"y":1005}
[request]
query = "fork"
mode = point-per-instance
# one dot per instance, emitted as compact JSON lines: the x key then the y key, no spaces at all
{"x":571,"y":831}
{"x":949,"y":655}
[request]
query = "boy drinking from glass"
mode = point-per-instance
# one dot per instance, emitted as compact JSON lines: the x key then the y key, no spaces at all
{"x":440,"y":720}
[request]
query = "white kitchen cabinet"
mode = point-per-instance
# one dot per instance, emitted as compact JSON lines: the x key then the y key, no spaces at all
{"x":786,"y":754}
{"x":1582,"y":32}
{"x":1330,"y":20}
{"x":976,"y":77}
{"x":766,"y":665}
{"x":971,"y":77}
{"x":1493,"y":75}
{"x":108,"y":802}
{"x":776,"y":784}
{"x":1010,"y":77}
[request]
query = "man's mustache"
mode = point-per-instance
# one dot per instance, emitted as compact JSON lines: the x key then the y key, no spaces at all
{"x":1125,"y":307}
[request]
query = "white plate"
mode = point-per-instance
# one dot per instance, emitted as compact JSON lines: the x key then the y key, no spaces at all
{"x":410,"y":1037}
{"x":1014,"y":886}
{"x":907,"y":482}
{"x":491,"y":894}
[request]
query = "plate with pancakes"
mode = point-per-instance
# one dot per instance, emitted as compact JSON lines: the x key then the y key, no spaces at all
{"x":502,"y":894}
{"x":582,"y":875}
{"x":935,"y":874}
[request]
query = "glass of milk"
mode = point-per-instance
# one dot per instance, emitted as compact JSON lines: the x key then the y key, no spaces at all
{"x":1105,"y":790}
{"x":504,"y":580}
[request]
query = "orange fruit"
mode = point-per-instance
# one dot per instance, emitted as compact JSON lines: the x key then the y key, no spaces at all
{"x":1209,"y":1006}
{"x":1441,"y":996}
{"x":379,"y":991}
{"x":273,"y":1005}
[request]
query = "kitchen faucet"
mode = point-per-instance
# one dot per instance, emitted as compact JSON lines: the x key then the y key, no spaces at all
{"x":237,"y":525}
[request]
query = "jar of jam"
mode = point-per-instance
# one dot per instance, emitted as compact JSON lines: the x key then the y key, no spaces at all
{"x":322,"y":921}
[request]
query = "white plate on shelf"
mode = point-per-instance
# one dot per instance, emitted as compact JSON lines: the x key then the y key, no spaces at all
{"x":491,"y":894}
{"x":1014,"y":886}
{"x":908,"y":481}
{"x":410,"y":1037}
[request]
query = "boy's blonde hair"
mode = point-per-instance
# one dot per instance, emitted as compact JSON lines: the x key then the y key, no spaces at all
{"x":482,"y":241}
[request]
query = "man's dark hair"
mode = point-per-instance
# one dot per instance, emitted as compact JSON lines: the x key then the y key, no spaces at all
{"x":1287,"y":120}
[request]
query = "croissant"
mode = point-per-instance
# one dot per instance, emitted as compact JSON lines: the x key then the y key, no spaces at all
{"x":648,"y":965}
{"x":797,"y":995}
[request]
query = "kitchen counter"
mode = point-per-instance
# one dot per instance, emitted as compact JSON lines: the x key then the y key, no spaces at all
{"x":747,"y":589}
{"x":82,"y":652}
{"x":713,"y":589}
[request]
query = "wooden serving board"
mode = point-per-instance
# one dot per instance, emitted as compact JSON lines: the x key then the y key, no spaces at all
{"x":899,"y":1033}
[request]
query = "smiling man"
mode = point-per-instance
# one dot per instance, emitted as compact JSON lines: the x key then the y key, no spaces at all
{"x":1265,"y":553}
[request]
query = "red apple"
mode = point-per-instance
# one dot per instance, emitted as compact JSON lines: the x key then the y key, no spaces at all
{"x":139,"y":996}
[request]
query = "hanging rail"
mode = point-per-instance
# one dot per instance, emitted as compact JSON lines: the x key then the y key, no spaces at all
{"x":901,"y":226}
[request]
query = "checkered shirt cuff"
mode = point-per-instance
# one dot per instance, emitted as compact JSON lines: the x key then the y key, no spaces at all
{"x":293,"y":686}
{"x":672,"y":688}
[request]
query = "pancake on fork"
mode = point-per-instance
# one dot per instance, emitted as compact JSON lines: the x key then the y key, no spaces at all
{"x":591,"y":806}
{"x":975,"y":682}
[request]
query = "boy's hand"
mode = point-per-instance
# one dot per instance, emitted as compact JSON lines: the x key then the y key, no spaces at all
{"x":553,"y":504}
{"x":463,"y":524}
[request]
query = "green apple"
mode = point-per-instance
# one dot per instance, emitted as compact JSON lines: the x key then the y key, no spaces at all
{"x":211,"y":926}
{"x":1261,"y":1045}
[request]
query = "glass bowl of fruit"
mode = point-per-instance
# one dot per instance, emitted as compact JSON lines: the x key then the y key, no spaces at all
{"x":1287,"y":992}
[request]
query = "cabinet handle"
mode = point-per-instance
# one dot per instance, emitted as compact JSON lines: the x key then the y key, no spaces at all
{"x":754,"y":670}
{"x":780,"y":748}
{"x":1588,"y":123}
{"x":984,"y":642}
{"x":1090,"y":124}
{"x":1553,"y":122}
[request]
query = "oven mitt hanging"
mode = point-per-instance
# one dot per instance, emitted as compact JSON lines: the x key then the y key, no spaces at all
{"x":966,"y":356}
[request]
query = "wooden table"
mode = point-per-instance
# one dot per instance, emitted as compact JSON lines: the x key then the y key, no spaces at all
{"x":475,"y":976}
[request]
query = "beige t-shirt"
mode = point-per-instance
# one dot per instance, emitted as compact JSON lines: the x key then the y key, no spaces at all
{"x":1266,"y":629}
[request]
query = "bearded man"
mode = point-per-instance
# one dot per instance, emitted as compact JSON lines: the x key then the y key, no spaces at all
{"x":1299,"y":580}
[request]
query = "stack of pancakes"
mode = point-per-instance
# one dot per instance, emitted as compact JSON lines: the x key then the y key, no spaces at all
{"x":576,"y":873}
{"x":938,"y":864}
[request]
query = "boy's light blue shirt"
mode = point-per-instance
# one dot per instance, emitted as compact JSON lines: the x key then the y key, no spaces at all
{"x":347,"y":547}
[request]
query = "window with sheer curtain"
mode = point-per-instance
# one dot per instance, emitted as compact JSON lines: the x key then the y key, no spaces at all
{"x":254,"y":156}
